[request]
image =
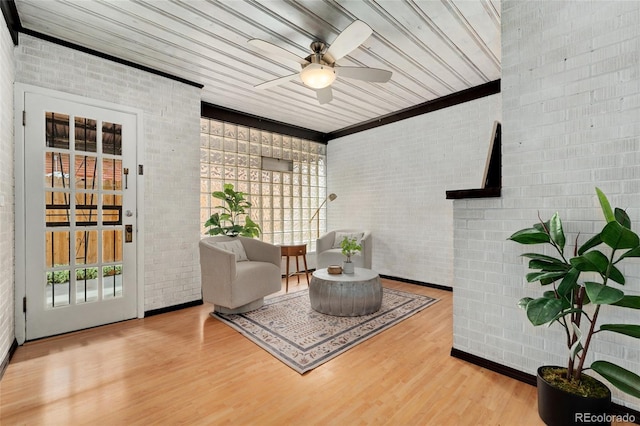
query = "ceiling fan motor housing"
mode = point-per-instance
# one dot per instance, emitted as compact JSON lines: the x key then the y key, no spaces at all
{"x":317,"y":74}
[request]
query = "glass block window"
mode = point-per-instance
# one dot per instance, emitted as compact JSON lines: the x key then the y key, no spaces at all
{"x":283,"y":198}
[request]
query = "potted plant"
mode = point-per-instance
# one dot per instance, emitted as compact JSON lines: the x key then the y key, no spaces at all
{"x":229,"y":221}
{"x":575,"y":305}
{"x":349,"y":247}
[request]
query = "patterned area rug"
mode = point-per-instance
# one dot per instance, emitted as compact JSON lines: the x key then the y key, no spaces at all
{"x":303,"y":339}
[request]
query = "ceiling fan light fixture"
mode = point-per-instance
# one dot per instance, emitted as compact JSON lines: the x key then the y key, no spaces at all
{"x":317,"y":76}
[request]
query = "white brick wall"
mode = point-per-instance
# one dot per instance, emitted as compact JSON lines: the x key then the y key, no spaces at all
{"x":392,"y":180}
{"x":7,"y":334}
{"x":571,"y":122}
{"x":171,"y":155}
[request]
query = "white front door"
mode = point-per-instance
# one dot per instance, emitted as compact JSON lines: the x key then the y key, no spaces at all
{"x":80,"y":215}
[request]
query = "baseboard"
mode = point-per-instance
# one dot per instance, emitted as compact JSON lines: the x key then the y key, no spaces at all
{"x":530,"y":379}
{"x":423,"y":284}
{"x":164,"y":310}
{"x":7,"y":359}
{"x":494,"y":366}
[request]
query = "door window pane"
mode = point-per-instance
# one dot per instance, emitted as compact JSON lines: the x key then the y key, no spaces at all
{"x":86,"y":247}
{"x":57,"y":288}
{"x":57,"y":248}
{"x":56,"y":170}
{"x":112,"y":174}
{"x":111,"y":138}
{"x":112,"y":246}
{"x":85,"y":132}
{"x":86,"y":285}
{"x":57,"y":135}
{"x":85,"y":172}
{"x":86,"y":212}
{"x":112,"y":209}
{"x":112,"y":282}
{"x":57,"y":208}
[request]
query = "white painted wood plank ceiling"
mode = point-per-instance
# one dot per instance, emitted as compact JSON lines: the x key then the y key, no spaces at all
{"x":433,"y":47}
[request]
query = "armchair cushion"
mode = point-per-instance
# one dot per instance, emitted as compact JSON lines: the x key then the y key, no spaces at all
{"x":341,"y":235}
{"x":235,"y":247}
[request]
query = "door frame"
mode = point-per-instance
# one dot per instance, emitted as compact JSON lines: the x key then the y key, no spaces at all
{"x":20,"y":287}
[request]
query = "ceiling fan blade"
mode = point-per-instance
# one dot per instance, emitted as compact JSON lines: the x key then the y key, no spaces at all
{"x":275,"y":82}
{"x":374,"y":75}
{"x":324,"y":95}
{"x":348,"y":40}
{"x":276,"y":51}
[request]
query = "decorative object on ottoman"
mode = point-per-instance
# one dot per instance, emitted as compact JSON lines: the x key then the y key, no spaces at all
{"x":238,"y":272}
{"x":334,"y":269}
{"x":329,"y":252}
{"x":344,"y":295}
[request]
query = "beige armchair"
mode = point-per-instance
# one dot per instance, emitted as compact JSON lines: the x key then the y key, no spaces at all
{"x":238,"y":272}
{"x":328,"y":251}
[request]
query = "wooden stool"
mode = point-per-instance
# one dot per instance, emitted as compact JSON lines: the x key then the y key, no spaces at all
{"x":296,"y":250}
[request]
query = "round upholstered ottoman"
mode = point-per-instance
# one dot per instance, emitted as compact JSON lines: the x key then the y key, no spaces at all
{"x":345,"y":295}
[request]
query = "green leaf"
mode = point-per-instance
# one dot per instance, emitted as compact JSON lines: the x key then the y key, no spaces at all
{"x":555,"y":231}
{"x":542,"y":227}
{"x":591,"y":243}
{"x":626,"y":329}
{"x":540,"y":256}
{"x":564,"y":312}
{"x":593,"y":261}
{"x":616,"y":275}
{"x":634,"y":252}
{"x":622,"y":217}
{"x":529,"y":236}
{"x":541,"y":311}
{"x":617,"y":236}
{"x":544,"y":265}
{"x":544,"y":277}
{"x":632,"y":302}
{"x":522,"y":303}
{"x":606,"y":207}
{"x":220,"y":195}
{"x":619,"y":377}
{"x":602,"y":294}
{"x":569,"y":282}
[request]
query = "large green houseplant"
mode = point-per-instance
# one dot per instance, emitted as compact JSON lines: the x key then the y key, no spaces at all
{"x":229,"y":222}
{"x":567,"y":297}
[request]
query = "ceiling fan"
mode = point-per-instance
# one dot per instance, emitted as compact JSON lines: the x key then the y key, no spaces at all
{"x":319,"y":69}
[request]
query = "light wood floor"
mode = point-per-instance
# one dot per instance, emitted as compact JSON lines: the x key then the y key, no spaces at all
{"x":186,"y":367}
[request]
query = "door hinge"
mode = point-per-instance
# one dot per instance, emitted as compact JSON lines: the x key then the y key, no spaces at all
{"x":24,"y":118}
{"x":24,"y":304}
{"x":140,"y":169}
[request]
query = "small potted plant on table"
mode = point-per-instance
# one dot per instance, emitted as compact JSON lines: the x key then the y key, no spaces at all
{"x":565,"y":394}
{"x":349,"y":247}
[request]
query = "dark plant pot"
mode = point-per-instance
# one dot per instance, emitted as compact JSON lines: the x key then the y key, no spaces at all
{"x":559,"y":408}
